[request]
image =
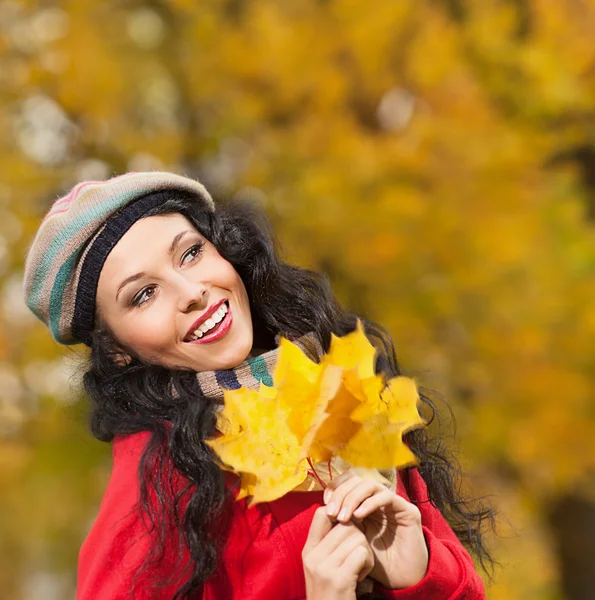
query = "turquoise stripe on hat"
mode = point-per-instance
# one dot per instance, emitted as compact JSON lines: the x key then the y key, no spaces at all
{"x":258,"y":369}
{"x":57,"y":243}
{"x":57,"y":294}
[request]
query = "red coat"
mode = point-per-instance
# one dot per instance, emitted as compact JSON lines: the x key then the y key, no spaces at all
{"x":262,"y":558}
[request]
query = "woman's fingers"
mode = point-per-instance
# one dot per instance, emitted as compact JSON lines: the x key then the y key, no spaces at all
{"x":361,"y":561}
{"x":325,"y":535}
{"x":406,"y":512}
{"x":335,"y":503}
{"x":334,"y":564}
{"x":355,"y":497}
{"x":354,"y":554}
{"x":379,"y":500}
{"x":335,"y":483}
{"x":319,"y":528}
{"x":352,"y":496}
{"x":349,"y":494}
{"x":336,"y":548}
{"x":340,"y":535}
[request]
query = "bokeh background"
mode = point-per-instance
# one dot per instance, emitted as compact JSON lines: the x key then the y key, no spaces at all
{"x":436,"y":158}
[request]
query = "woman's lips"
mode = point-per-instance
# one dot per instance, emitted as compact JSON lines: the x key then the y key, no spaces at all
{"x":217,"y":334}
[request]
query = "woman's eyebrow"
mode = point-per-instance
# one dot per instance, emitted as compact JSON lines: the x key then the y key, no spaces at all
{"x":176,"y":241}
{"x":174,"y":244}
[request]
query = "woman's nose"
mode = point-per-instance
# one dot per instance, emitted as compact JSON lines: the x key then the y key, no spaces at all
{"x":191,"y":295}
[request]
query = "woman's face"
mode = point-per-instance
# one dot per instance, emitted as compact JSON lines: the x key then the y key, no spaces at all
{"x":156,"y":283}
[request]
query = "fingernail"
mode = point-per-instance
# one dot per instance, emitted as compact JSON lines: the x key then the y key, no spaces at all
{"x":327,"y":495}
{"x":342,"y":515}
{"x":331,"y":509}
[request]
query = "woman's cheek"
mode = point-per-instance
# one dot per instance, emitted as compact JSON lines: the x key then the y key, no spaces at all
{"x":151,"y":334}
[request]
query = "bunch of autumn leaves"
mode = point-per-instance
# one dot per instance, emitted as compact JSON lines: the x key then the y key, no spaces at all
{"x":274,"y":437}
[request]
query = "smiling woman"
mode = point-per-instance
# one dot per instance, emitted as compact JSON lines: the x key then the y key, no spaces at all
{"x":161,"y":301}
{"x":177,"y":301}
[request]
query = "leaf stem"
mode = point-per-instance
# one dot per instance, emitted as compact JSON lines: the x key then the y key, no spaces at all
{"x":315,"y":474}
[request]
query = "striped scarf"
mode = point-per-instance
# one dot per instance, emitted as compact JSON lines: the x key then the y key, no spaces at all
{"x":250,"y":373}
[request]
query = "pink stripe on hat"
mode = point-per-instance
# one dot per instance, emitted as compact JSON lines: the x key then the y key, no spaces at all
{"x":66,"y":200}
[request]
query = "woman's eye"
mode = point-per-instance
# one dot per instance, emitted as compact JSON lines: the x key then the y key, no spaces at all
{"x":136,"y":301}
{"x":146,"y":294}
{"x":194,"y":251}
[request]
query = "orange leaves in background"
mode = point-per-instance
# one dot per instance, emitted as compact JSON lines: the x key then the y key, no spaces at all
{"x":272,"y":438}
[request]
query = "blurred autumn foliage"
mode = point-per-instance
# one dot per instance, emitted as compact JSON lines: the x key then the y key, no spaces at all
{"x":436,"y":158}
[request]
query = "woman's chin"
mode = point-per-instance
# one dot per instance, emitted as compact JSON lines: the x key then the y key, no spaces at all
{"x":219,"y":361}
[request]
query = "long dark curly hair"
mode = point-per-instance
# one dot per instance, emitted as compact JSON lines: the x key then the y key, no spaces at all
{"x":132,"y":396}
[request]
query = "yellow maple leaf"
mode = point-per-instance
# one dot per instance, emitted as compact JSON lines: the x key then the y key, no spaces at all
{"x":378,"y":444}
{"x":379,"y":441}
{"x":398,"y":399}
{"x":352,"y":351}
{"x":298,"y":380}
{"x":333,"y":427}
{"x":230,"y":420}
{"x":248,"y":483}
{"x":263,"y":450}
{"x":356,"y":357}
{"x":351,"y":358}
{"x":335,"y":410}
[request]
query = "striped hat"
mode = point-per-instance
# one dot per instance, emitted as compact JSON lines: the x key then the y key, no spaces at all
{"x":75,"y":237}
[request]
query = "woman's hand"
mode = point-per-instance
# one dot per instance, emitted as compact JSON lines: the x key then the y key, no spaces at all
{"x":391,"y":525}
{"x":336,"y":556}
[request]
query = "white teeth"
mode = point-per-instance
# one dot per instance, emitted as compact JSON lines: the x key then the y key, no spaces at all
{"x":215,"y":318}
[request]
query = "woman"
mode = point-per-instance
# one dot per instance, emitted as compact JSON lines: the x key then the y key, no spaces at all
{"x":178,"y":300}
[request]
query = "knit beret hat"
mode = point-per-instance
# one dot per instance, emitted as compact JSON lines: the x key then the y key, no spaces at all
{"x":77,"y":234}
